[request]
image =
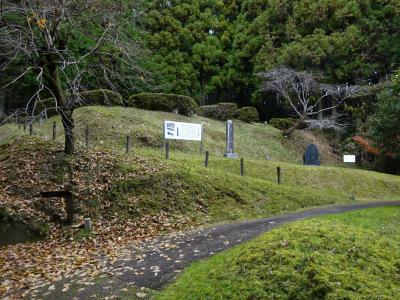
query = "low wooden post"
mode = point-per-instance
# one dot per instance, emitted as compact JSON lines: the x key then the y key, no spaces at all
{"x":279,"y":174}
{"x":70,"y":208}
{"x":127,"y":144}
{"x":69,"y":201}
{"x":166,"y":150}
{"x":241,"y":167}
{"x":30,"y":129}
{"x":24,"y":126}
{"x":87,"y":136}
{"x":54,"y":130}
{"x":206,"y":160}
{"x":19,"y":122}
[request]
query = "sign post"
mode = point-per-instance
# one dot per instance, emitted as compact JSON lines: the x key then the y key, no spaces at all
{"x":183,"y":131}
{"x":349,"y":159}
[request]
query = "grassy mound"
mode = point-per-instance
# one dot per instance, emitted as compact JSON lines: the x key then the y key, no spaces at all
{"x":350,"y":256}
{"x":110,"y":125}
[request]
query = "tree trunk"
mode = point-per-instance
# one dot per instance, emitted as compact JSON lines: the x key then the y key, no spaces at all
{"x":202,"y":89}
{"x":320,"y":107}
{"x":2,"y":102}
{"x":64,"y":111}
{"x":69,"y":126}
{"x":290,"y":131}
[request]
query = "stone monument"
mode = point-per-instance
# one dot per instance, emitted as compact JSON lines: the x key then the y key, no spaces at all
{"x":230,"y":153}
{"x":310,"y":158}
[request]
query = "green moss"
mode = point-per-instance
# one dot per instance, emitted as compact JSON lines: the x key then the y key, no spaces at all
{"x":340,"y":257}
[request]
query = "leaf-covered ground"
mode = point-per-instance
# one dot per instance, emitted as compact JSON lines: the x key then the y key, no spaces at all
{"x":31,"y":166}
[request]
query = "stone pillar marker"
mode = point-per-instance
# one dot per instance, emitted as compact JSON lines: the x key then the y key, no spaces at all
{"x":230,"y":151}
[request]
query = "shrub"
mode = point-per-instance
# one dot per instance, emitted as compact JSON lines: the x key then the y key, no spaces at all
{"x":221,"y":111}
{"x":247,"y":114}
{"x":208,"y":111}
{"x":282,"y":123}
{"x":100,"y":97}
{"x":163,"y":102}
{"x":226,"y":110}
{"x":94,"y":97}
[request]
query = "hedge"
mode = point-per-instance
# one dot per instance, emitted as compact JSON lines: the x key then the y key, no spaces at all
{"x":282,"y":123}
{"x":208,"y":111}
{"x":247,"y":114}
{"x":163,"y":102}
{"x":221,"y":111}
{"x":87,"y":98}
{"x":226,"y":110}
{"x":101,"y":97}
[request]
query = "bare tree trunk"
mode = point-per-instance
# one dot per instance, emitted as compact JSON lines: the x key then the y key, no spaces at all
{"x":290,"y":131}
{"x":320,"y":107}
{"x":2,"y":102}
{"x":69,"y":126}
{"x":64,"y":111}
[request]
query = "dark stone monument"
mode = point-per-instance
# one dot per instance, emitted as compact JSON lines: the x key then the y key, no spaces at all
{"x":310,"y":158}
{"x":230,"y":153}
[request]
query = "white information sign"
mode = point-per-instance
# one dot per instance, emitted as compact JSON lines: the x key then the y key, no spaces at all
{"x":349,"y":158}
{"x":182,"y":131}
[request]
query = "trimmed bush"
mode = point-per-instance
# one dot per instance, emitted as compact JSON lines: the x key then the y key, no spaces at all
{"x":247,"y":114}
{"x":163,"y":102}
{"x":87,"y":98}
{"x":221,"y":111}
{"x":226,"y":110}
{"x":282,"y":123}
{"x":101,"y":97}
{"x":208,"y":111}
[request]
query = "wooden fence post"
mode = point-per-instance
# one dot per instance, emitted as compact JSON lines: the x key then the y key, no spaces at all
{"x":279,"y":174}
{"x":206,"y":160}
{"x":54,"y":130}
{"x":241,"y":167}
{"x":166,"y":150}
{"x":30,"y":129}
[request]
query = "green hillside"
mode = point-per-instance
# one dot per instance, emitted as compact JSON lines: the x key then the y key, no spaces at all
{"x":110,"y":125}
{"x":182,"y":185}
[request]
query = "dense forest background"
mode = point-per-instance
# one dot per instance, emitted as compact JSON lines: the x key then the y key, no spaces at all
{"x":212,"y":50}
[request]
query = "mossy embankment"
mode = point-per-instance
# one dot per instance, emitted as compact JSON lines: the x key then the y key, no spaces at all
{"x":349,"y":256}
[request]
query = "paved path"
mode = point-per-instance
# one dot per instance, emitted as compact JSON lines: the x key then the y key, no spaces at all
{"x":156,"y":262}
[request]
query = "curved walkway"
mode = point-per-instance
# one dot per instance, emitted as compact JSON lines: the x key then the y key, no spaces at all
{"x":155,"y":263}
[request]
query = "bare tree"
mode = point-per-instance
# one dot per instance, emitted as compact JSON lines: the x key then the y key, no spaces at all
{"x":68,"y":46}
{"x":304,"y":93}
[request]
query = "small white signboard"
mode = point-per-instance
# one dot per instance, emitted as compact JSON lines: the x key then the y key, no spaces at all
{"x":349,"y":158}
{"x":182,"y":131}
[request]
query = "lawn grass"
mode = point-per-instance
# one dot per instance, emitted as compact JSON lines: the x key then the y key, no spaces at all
{"x":349,"y":256}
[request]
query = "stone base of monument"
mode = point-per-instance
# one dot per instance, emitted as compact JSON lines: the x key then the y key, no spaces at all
{"x":231,"y":155}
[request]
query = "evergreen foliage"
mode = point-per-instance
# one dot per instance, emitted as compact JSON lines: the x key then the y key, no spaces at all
{"x":164,"y":102}
{"x":247,"y":114}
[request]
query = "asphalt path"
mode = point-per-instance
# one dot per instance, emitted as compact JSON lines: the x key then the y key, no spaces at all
{"x":156,"y":262}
